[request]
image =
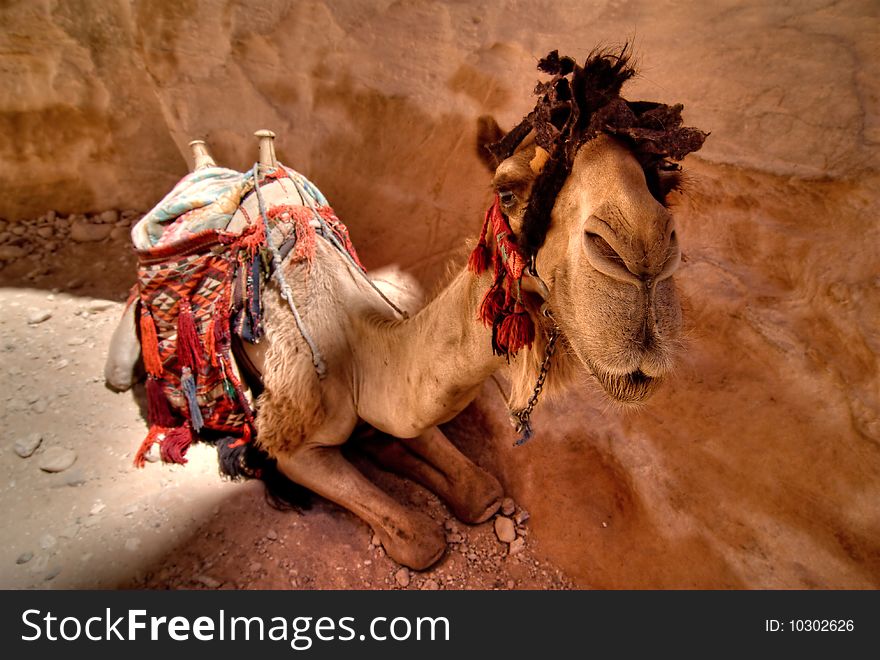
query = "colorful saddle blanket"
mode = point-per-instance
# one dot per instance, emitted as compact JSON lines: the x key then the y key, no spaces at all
{"x":203,"y":255}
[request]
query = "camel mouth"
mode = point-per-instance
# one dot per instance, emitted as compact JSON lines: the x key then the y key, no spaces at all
{"x":632,"y":388}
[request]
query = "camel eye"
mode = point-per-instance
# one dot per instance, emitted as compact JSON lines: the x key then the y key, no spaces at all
{"x":507,"y":198}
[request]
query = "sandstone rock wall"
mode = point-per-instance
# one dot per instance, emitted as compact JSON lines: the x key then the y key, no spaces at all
{"x":377,"y":100}
{"x":759,"y":464}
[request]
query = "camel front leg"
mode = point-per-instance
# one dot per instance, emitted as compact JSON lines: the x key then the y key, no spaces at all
{"x":433,"y":461}
{"x":410,"y":538}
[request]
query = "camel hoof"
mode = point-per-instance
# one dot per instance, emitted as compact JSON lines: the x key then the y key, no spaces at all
{"x":418,"y":547}
{"x":480,"y":498}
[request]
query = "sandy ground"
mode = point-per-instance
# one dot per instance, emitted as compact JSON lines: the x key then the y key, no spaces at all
{"x":102,"y":523}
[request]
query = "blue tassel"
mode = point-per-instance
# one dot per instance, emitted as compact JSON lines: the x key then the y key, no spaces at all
{"x":188,"y":383}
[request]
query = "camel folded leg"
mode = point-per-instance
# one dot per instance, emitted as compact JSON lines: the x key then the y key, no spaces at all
{"x":433,"y":461}
{"x":410,"y":538}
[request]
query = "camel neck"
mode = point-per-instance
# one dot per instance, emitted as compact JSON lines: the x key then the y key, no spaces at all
{"x":428,"y":367}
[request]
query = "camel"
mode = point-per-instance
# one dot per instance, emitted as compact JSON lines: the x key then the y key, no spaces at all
{"x":585,"y":210}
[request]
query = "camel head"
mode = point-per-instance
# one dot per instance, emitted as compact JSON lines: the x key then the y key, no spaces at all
{"x":582,"y":183}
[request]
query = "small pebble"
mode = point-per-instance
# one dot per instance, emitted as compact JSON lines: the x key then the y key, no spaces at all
{"x":516,"y":546}
{"x":57,"y":459}
{"x":47,"y":542}
{"x":521,"y":516}
{"x":272,"y":535}
{"x":504,"y":529}
{"x":508,"y":506}
{"x":208,"y":582}
{"x":25,"y":447}
{"x":39,"y":316}
{"x":24,"y":557}
{"x":430,"y":585}
{"x":402,"y":577}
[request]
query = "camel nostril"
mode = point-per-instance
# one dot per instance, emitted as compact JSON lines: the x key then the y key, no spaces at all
{"x":605,"y":249}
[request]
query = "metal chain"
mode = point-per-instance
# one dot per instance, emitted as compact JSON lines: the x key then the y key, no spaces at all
{"x":521,"y":418}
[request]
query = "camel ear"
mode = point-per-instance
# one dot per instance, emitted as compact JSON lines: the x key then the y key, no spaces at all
{"x":488,"y":132}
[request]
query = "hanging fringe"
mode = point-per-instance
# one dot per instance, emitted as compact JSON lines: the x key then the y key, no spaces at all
{"x":188,"y":348}
{"x":516,"y":331}
{"x":501,"y":307}
{"x":158,"y":411}
{"x":150,"y":344}
{"x":174,"y":446}
{"x":481,"y":255}
{"x":140,"y":458}
{"x":188,"y":385}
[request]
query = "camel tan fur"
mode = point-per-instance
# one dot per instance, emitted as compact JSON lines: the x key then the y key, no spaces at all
{"x":606,"y":264}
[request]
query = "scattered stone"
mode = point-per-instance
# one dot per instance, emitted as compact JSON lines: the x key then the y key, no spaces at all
{"x":92,"y":521}
{"x":24,"y":557}
{"x":454,"y":538}
{"x":39,"y":316}
{"x":132,"y":544}
{"x":57,"y":459}
{"x":255,"y":567}
{"x":451,"y":525}
{"x":61,"y":364}
{"x":430,"y":585}
{"x":98,"y":305}
{"x":516,"y":546}
{"x":76,"y":341}
{"x":208,"y":582}
{"x":39,"y":406}
{"x":130,"y":510}
{"x":110,"y":217}
{"x":375,"y":541}
{"x":402,"y":577}
{"x":25,"y":447}
{"x":272,"y":535}
{"x":521,"y":516}
{"x":47,"y":542}
{"x":504,"y":529}
{"x":97,"y":507}
{"x":153,"y":453}
{"x":85,"y":232}
{"x":604,"y":524}
{"x":508,"y":506}
{"x":45,"y":232}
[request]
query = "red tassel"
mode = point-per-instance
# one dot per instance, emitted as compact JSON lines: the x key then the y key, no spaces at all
{"x":493,"y":304}
{"x":188,"y":348}
{"x":479,"y":259}
{"x":150,"y":344}
{"x":253,"y":239}
{"x":516,"y":331}
{"x":176,"y":443}
{"x":140,"y":458}
{"x":158,"y":411}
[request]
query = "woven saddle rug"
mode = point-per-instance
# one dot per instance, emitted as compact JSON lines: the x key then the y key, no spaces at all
{"x":203,"y":255}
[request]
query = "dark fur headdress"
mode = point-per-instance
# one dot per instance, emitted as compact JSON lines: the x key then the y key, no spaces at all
{"x":577,"y":104}
{"x":574,"y":106}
